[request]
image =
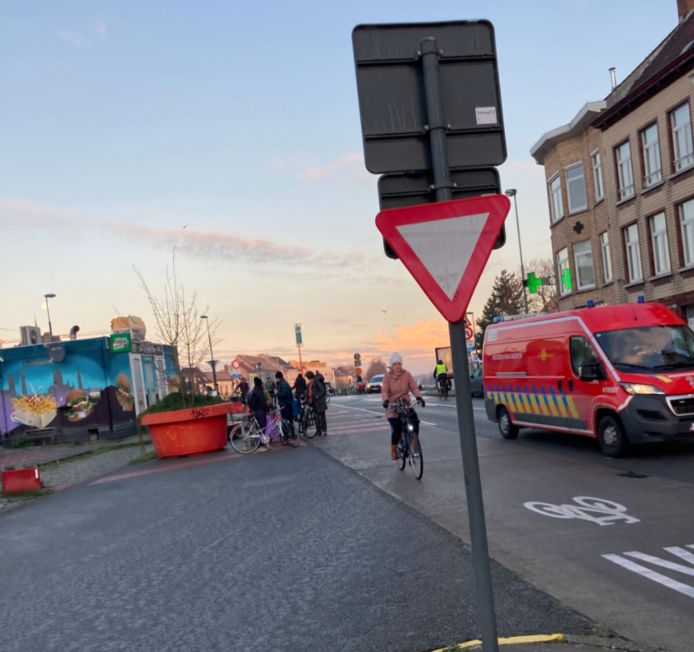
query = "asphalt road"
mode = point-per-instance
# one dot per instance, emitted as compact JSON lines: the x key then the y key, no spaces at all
{"x":613,"y":539}
{"x":282,"y":550}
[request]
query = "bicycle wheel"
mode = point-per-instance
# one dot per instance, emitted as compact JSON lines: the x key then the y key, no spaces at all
{"x":415,"y":457}
{"x":309,"y":424}
{"x":244,"y":438}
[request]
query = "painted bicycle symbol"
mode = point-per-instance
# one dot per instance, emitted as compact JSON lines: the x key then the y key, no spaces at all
{"x":586,"y":508}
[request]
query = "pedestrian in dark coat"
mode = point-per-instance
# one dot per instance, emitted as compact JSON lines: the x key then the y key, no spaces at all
{"x":258,"y":402}
{"x":243,"y":390}
{"x":299,"y":387}
{"x":317,"y":400}
{"x":285,"y":401}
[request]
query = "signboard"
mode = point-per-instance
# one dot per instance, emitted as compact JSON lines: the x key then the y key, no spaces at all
{"x":392,"y":104}
{"x":446,"y":245}
{"x":120,"y":342}
{"x":297,"y":333}
{"x":235,"y":364}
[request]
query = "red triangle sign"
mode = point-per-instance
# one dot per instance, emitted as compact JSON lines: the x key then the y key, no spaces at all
{"x":445,"y":245}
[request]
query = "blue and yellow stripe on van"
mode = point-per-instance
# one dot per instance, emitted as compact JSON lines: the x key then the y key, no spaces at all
{"x":541,"y":404}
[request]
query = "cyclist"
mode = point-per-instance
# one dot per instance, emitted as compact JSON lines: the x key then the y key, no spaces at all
{"x":397,"y":384}
{"x":441,"y":374}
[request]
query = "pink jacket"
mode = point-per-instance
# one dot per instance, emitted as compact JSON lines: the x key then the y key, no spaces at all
{"x":395,"y":387}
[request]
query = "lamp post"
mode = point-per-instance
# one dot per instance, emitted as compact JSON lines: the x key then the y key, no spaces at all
{"x":212,"y":360}
{"x":512,"y":192}
{"x":48,"y":296}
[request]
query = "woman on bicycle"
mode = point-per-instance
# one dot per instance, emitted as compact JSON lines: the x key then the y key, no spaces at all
{"x":397,"y":384}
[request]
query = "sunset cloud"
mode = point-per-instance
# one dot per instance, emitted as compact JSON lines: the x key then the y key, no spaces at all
{"x":350,"y":163}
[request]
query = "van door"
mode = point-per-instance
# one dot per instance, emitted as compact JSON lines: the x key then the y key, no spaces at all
{"x":582,"y":395}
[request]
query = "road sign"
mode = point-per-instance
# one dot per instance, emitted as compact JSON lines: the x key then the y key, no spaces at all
{"x":398,"y":190}
{"x":297,"y":333}
{"x":445,"y":246}
{"x":392,"y":105}
{"x":468,"y":332}
{"x":235,"y":364}
{"x":358,"y":371}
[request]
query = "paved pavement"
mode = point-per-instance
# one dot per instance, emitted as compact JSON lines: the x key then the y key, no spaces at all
{"x":75,"y":467}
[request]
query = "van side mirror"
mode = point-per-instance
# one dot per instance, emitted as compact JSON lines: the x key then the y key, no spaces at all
{"x":591,"y":369}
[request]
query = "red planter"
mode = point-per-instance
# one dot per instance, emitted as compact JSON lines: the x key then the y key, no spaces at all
{"x":17,"y":481}
{"x":190,"y":431}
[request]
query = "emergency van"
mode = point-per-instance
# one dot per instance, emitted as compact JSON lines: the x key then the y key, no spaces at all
{"x":621,"y":373}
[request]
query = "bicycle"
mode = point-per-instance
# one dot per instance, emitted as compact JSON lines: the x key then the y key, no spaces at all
{"x":282,"y":428}
{"x":409,"y":448}
{"x":307,"y":421}
{"x":444,"y":386}
{"x":246,"y":436}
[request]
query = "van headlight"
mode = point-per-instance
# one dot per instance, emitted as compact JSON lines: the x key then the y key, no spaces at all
{"x":638,"y":388}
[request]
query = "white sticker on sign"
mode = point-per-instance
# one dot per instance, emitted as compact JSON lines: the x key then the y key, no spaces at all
{"x":485,"y":115}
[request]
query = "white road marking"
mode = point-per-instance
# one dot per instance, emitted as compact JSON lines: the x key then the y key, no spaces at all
{"x":650,"y":574}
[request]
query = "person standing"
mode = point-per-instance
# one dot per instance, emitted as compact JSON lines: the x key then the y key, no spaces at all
{"x":243,"y":390}
{"x":299,"y":387}
{"x":270,"y":387}
{"x":259,"y":403}
{"x":397,"y":384}
{"x":318,"y":401}
{"x":285,"y":402}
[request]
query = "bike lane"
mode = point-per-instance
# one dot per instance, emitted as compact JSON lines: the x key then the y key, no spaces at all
{"x":616,"y":546}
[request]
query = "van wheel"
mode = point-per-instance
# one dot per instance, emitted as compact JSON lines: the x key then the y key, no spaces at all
{"x":506,"y":428}
{"x":611,"y":438}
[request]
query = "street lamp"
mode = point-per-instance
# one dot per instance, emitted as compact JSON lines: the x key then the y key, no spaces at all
{"x":511,"y":192}
{"x":212,"y":361}
{"x":48,"y":296}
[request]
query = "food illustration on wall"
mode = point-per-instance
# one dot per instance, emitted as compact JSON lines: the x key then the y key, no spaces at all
{"x":79,"y":404}
{"x":35,"y":411}
{"x":125,"y":398}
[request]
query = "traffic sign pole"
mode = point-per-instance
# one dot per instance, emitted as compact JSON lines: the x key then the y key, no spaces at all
{"x":461,"y":370}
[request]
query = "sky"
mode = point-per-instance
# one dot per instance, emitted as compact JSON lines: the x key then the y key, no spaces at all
{"x":230,"y":133}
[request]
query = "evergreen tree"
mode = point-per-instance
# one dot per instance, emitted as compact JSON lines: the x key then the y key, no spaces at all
{"x":506,"y":299}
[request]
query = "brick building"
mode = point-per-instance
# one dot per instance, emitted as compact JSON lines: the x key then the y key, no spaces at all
{"x":620,"y":184}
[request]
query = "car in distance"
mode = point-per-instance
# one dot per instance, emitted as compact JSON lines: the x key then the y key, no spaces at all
{"x":476,"y":387}
{"x":375,"y":383}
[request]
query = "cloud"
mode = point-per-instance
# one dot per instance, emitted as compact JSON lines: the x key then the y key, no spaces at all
{"x":199,"y":243}
{"x":351,"y":163}
{"x":76,"y":38}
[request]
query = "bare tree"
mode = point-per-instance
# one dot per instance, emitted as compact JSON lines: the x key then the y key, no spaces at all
{"x":178,"y":321}
{"x":545,"y":299}
{"x":376,"y":366}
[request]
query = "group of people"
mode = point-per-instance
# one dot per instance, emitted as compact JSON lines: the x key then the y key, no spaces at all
{"x":289,"y":399}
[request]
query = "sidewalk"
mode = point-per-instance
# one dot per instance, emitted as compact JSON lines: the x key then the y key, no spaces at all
{"x":38,"y":455}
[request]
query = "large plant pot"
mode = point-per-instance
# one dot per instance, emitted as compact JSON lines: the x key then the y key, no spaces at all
{"x":189,"y":431}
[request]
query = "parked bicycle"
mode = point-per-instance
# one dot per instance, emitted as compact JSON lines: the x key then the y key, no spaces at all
{"x":247,"y":435}
{"x":409,"y":448}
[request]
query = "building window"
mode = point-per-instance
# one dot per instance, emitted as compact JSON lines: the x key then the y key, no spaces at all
{"x":651,"y":156}
{"x":686,"y":211}
{"x":606,"y":259}
{"x":583,"y":259}
{"x":576,"y":188}
{"x":597,"y":175}
{"x":624,"y":171}
{"x":661,"y":252}
{"x":682,"y":137}
{"x":555,"y":200}
{"x":631,"y":243}
{"x":562,"y":266}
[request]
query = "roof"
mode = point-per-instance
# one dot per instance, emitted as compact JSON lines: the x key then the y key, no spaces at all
{"x":582,"y":119}
{"x":672,"y":58}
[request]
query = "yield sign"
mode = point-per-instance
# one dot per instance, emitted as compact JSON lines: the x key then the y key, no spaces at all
{"x":445,"y":245}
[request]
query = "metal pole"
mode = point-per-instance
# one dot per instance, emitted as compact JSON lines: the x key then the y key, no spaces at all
{"x":212,"y":360}
{"x":50,"y":326}
{"x":301,"y":366}
{"x":461,"y":371}
{"x":513,"y":192}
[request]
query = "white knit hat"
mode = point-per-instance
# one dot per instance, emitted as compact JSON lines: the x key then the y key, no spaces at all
{"x":396,"y":357}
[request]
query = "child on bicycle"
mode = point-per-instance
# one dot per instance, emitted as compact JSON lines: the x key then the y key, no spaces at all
{"x":398,"y":383}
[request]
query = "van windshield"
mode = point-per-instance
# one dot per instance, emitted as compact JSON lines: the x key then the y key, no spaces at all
{"x":652,"y":348}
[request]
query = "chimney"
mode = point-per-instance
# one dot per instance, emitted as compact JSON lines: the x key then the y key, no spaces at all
{"x":683,"y":8}
{"x":613,"y":75}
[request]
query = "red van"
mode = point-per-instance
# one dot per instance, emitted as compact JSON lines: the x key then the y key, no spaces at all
{"x":622,"y":373}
